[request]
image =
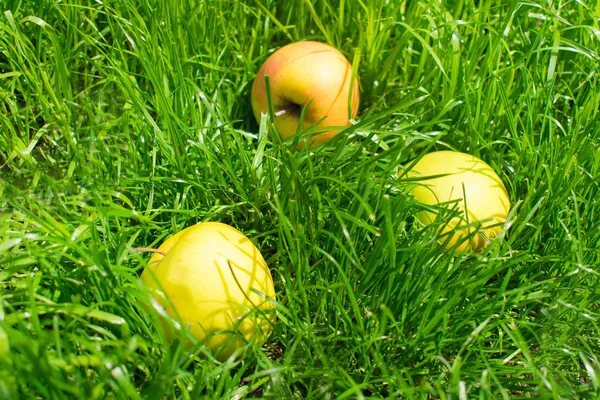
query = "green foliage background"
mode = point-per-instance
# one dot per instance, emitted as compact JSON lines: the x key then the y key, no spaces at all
{"x":124,"y":122}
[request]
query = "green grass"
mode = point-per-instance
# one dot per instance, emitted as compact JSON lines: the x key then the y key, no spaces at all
{"x":124,"y":122}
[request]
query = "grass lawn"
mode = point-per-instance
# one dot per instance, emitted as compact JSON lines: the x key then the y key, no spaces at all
{"x":123,"y":122}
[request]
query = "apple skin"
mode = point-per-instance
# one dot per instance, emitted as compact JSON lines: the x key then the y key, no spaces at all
{"x":195,"y":283}
{"x":485,"y":195}
{"x":302,"y":72}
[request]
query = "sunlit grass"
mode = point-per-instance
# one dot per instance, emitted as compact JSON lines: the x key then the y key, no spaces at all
{"x":123,"y":123}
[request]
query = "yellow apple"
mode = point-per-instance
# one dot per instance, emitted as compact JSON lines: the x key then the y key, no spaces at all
{"x":211,"y":278}
{"x":465,"y":183}
{"x":302,"y":73}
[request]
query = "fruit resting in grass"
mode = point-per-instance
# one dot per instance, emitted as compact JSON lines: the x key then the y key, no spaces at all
{"x":460,"y":181}
{"x":302,"y":73}
{"x":207,"y":277}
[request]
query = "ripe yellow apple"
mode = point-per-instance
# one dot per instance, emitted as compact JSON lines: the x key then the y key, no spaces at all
{"x":207,"y":277}
{"x":302,"y":73}
{"x":463,"y":182}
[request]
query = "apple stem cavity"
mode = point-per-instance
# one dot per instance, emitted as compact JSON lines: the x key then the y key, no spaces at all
{"x":285,"y":110}
{"x":149,"y":250}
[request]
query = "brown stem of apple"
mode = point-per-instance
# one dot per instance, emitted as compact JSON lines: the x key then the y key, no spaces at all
{"x":149,"y":250}
{"x":285,"y":110}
